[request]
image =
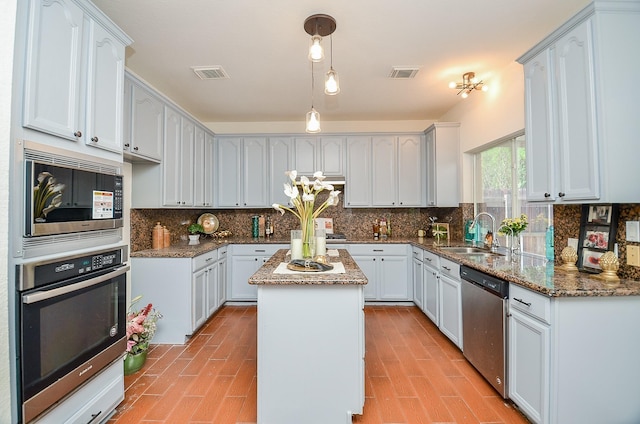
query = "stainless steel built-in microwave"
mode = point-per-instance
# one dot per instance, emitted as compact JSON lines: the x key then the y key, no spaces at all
{"x":64,"y":195}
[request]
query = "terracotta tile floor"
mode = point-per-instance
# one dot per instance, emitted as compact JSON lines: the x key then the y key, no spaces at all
{"x":413,"y":375}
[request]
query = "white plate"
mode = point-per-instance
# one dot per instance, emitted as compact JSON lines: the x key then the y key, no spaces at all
{"x":209,"y":222}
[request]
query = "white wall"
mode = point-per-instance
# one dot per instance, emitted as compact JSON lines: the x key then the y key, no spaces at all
{"x":7,"y":31}
{"x":488,"y":116}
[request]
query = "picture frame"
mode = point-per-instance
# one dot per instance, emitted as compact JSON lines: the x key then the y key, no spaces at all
{"x":598,"y":227}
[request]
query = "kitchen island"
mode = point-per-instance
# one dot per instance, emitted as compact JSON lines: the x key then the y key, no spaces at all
{"x":310,"y":342}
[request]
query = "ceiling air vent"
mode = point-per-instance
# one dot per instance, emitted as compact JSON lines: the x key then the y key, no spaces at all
{"x":210,"y":72}
{"x":403,"y":73}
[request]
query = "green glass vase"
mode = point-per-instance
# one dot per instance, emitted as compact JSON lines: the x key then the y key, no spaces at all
{"x":133,"y":363}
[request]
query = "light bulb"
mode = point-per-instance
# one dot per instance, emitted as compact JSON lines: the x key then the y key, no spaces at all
{"x":316,"y":52}
{"x":453,"y":84}
{"x":331,"y":84}
{"x":313,"y":121}
{"x":464,"y":95}
{"x":485,"y":88}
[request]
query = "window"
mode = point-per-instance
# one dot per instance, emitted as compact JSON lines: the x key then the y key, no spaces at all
{"x":501,"y":190}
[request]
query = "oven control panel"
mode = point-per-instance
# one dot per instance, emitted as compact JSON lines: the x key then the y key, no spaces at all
{"x":43,"y":273}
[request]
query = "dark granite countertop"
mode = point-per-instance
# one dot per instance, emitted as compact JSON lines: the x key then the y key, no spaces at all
{"x":526,"y":271}
{"x":266,"y":276}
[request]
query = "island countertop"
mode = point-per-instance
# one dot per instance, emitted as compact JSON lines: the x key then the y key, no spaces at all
{"x":352,"y":275}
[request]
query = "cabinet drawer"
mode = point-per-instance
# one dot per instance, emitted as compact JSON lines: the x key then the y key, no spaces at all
{"x":378,"y":249}
{"x":204,"y":260}
{"x":222,"y":253}
{"x":417,"y":253}
{"x":450,"y":268}
{"x":536,"y":305}
{"x":263,"y":250}
{"x":431,"y":259}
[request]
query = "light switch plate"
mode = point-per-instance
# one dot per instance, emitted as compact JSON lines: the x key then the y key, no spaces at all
{"x":633,"y":231}
{"x":633,"y":255}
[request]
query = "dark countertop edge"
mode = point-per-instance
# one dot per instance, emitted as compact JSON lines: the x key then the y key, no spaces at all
{"x":265,"y":277}
{"x":604,"y":289}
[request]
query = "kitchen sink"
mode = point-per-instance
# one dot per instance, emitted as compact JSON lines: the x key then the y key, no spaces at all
{"x":471,"y":251}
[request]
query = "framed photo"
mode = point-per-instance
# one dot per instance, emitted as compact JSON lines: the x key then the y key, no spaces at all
{"x":591,"y":259}
{"x":600,"y":214}
{"x":598,"y":227}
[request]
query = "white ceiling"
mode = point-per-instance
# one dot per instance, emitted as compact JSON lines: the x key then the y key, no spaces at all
{"x":263,"y":48}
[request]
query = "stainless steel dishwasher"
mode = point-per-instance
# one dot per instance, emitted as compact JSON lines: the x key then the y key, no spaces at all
{"x":484,"y":325}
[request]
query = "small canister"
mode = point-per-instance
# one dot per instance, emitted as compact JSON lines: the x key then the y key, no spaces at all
{"x":157,"y":240}
{"x":255,"y":226}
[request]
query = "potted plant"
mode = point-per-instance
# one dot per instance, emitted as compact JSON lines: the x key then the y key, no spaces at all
{"x":141,"y":327}
{"x":194,"y":232}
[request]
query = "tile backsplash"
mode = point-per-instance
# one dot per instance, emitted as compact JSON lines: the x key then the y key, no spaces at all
{"x":357,"y":224}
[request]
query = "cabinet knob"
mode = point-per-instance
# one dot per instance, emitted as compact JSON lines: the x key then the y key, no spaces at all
{"x":135,"y":148}
{"x":561,"y":194}
{"x":78,"y":134}
{"x":94,"y":139}
{"x":547,"y":195}
{"x":126,"y":144}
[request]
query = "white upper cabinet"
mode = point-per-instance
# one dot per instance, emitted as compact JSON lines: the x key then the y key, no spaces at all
{"x":143,"y":122}
{"x":281,"y":156}
{"x":442,"y":170}
{"x":581,"y":121}
{"x":385,"y":171}
{"x":178,"y":159}
{"x":324,"y":154}
{"x":74,"y":73}
{"x":358,"y":189}
{"x":203,"y":168}
{"x":242,"y":177}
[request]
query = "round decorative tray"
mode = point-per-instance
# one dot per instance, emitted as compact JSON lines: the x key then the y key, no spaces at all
{"x":209,"y":222}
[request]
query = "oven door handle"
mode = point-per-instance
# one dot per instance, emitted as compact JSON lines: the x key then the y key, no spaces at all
{"x":39,"y":296}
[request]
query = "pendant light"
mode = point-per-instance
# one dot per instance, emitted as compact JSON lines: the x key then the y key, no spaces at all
{"x":318,"y":26}
{"x":313,"y":117}
{"x":331,"y":81}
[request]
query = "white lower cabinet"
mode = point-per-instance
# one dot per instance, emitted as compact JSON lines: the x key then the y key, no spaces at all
{"x":450,"y":296}
{"x":570,"y":358}
{"x":417,"y":277}
{"x":246,"y":259}
{"x":431,"y":302}
{"x":386,"y":266}
{"x":184,"y":290}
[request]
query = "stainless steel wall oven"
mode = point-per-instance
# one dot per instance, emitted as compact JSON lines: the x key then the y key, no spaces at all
{"x":71,"y":324}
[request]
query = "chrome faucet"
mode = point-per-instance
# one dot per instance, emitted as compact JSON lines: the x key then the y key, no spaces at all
{"x":494,"y":243}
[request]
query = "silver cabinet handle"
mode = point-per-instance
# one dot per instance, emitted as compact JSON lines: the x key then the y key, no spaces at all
{"x":78,"y":134}
{"x":527,"y":304}
{"x":94,"y":139}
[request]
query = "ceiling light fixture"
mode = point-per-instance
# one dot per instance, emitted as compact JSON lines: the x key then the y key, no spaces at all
{"x":313,"y":117}
{"x":331,"y":81}
{"x":468,"y":84}
{"x":318,"y":26}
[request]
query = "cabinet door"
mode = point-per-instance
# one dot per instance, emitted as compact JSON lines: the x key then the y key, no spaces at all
{"x":368,"y":265}
{"x":431,"y":294}
{"x":580,"y":173}
{"x":213,"y":302}
{"x":222,"y":281}
{"x":451,"y":309}
{"x":198,"y":299}
{"x":53,"y":68}
{"x":358,"y":190}
{"x":393,"y":278}
{"x":430,"y":147}
{"x":242,"y":267}
{"x":540,"y":125}
{"x":306,"y":156}
{"x":202,"y":168}
{"x":529,"y":365}
{"x":418,"y":283}
{"x":105,"y":90}
{"x":255,"y":173}
{"x":281,"y":155}
{"x":228,"y":179}
{"x":331,"y":156}
{"x":410,"y":175}
{"x":171,"y":159}
{"x":187,"y":144}
{"x":384,"y":171}
{"x":146,"y":123}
